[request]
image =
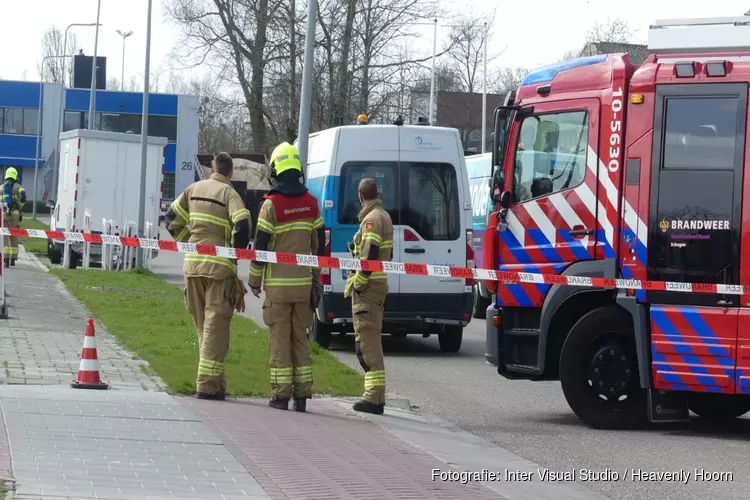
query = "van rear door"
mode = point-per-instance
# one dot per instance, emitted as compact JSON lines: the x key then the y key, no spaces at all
{"x":433,"y":225}
{"x":364,"y":151}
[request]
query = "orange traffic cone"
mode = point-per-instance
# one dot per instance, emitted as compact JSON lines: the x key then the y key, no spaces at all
{"x":88,"y":372}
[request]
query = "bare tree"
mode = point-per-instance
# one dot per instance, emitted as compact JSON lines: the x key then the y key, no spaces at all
{"x":507,"y":79}
{"x":609,"y":31}
{"x":52,"y":45}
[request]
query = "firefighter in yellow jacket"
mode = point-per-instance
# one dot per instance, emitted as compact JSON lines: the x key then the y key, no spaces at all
{"x":373,"y":241}
{"x":289,"y":221}
{"x":211,"y":212}
{"x":14,"y":198}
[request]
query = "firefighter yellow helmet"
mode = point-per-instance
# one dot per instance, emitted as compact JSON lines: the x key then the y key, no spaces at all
{"x":285,"y":157}
{"x":362,"y":119}
{"x":11,"y":173}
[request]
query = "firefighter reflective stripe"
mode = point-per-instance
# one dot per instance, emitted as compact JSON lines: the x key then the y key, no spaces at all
{"x":378,"y":276}
{"x":318,"y":223}
{"x":372,"y":237}
{"x":361,"y":278}
{"x":222,"y":261}
{"x":212,"y":219}
{"x":242,"y":212}
{"x":293,"y":226}
{"x":257,"y":270}
{"x":386,"y":244}
{"x":181,"y":213}
{"x":282,"y":376}
{"x":288,"y":281}
{"x":375,"y":378}
{"x":264,"y":225}
{"x":303,"y":374}
{"x":183,"y":235}
{"x":210,"y":368}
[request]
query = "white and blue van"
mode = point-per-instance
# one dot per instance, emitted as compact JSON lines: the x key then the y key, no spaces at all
{"x":423,"y":184}
{"x":479,"y":168}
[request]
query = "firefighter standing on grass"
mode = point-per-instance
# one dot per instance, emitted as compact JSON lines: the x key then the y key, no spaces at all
{"x":211,"y":212}
{"x":289,"y":221}
{"x":373,"y":241}
{"x":14,"y":198}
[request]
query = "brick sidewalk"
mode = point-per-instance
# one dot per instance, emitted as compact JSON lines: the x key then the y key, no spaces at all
{"x":327,"y":453}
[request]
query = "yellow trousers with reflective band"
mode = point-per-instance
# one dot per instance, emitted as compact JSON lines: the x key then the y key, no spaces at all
{"x":211,"y":303}
{"x":291,"y":368}
{"x":10,"y":249}
{"x":367,"y":310}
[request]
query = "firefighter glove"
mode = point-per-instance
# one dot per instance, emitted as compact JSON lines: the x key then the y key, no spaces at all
{"x":239,"y":295}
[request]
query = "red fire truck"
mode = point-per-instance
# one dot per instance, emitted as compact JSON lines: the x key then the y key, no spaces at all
{"x":607,"y":171}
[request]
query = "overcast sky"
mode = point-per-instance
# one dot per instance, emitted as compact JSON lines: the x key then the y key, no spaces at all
{"x":533,"y":38}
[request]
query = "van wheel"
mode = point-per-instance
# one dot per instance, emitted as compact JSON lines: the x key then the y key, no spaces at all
{"x":718,"y":406}
{"x":599,"y":371}
{"x":480,"y":305}
{"x":320,"y":333}
{"x":450,"y":340}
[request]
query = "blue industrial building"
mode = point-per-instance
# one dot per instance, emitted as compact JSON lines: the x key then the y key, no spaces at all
{"x":172,"y":116}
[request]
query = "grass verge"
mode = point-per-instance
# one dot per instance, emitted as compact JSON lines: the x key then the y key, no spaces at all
{"x":147,"y":315}
{"x":33,"y":245}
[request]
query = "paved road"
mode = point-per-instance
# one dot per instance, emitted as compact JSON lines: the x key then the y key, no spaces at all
{"x":534,"y":421}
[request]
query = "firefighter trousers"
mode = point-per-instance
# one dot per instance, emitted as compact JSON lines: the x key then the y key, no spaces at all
{"x":10,"y":249}
{"x":211,"y":303}
{"x":291,"y":368}
{"x":367,"y":310}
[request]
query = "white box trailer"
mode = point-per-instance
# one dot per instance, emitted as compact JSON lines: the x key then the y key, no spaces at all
{"x":101,"y":172}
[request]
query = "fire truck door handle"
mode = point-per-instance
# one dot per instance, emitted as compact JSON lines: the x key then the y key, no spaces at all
{"x":581,"y":231}
{"x":414,"y":250}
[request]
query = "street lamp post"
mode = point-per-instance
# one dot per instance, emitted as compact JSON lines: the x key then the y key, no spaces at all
{"x":305,"y":105}
{"x":144,"y":140}
{"x":39,"y":130}
{"x":432,"y":73}
{"x":122,"y":77}
{"x":484,"y":92}
{"x":92,"y":97}
{"x":60,"y":124}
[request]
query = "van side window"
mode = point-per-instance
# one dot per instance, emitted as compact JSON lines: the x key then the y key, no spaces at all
{"x":385,"y":175}
{"x":433,"y":208}
{"x":551,"y":154}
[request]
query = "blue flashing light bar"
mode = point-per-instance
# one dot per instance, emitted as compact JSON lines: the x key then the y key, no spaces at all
{"x":546,"y":74}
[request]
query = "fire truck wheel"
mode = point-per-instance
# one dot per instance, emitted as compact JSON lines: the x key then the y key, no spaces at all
{"x":718,"y":406}
{"x":599,"y":371}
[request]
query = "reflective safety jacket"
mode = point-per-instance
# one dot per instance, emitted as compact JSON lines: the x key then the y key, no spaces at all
{"x":287,"y":224}
{"x":14,"y":197}
{"x":210,"y":212}
{"x":373,"y":241}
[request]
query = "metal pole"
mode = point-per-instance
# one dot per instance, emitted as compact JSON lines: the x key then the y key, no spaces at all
{"x":38,"y":136}
{"x":484,"y":93}
{"x":122,"y":75}
{"x":305,"y":106}
{"x":139,"y":260}
{"x":432,"y":74}
{"x":92,"y":97}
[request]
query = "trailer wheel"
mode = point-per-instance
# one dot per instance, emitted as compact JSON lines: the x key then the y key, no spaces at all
{"x":599,"y":371}
{"x":710,"y":406}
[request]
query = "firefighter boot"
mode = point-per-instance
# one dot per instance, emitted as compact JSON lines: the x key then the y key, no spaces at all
{"x":12,"y":262}
{"x":368,"y":407}
{"x":300,"y":404}
{"x":279,"y":404}
{"x":221,"y":395}
{"x":6,"y":262}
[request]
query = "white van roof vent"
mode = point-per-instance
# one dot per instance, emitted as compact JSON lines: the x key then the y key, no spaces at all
{"x":711,"y":34}
{"x":422,"y":120}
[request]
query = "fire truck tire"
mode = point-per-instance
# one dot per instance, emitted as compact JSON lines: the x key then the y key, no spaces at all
{"x":599,"y":371}
{"x":479,"y":309}
{"x":718,"y":406}
{"x":320,"y":333}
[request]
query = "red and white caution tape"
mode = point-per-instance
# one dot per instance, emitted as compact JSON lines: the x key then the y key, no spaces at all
{"x":377,"y":266}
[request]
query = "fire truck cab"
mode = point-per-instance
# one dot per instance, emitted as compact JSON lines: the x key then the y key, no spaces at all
{"x":603,"y":169}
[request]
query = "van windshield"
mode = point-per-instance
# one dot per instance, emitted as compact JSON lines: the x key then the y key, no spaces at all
{"x":427,"y":194}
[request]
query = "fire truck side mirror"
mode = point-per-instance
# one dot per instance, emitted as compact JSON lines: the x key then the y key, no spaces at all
{"x":505,"y":200}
